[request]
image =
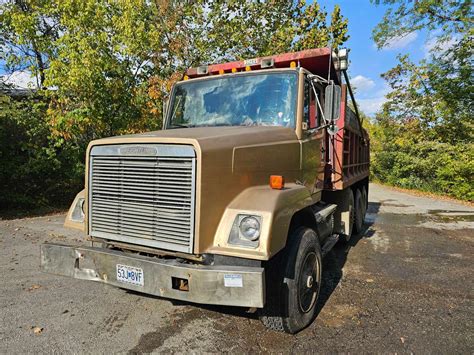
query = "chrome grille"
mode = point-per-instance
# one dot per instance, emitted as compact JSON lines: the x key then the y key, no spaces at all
{"x":143,"y":199}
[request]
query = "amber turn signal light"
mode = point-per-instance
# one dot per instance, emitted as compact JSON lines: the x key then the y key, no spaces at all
{"x":277,"y":182}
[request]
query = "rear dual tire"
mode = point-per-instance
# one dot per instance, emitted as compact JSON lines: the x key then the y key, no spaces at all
{"x":360,"y":208}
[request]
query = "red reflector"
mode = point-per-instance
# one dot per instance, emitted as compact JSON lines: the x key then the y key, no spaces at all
{"x":277,"y":182}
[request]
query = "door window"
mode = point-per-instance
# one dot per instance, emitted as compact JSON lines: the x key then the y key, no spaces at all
{"x":311,"y":111}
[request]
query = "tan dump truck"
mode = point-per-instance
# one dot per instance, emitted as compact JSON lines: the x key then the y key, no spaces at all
{"x":260,"y":168}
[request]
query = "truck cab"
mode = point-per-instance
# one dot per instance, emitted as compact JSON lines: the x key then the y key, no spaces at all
{"x":261,"y":167}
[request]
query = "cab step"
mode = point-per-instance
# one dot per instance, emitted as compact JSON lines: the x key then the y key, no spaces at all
{"x":329,"y":243}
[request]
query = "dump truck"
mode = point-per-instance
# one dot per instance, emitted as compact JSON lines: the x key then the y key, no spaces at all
{"x":262,"y":166}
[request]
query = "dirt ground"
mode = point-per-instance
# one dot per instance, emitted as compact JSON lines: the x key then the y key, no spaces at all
{"x":404,"y":285}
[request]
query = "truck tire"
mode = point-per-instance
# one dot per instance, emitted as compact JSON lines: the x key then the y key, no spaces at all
{"x":363,"y":191}
{"x":293,"y":283}
{"x":346,"y":237}
{"x":358,"y":211}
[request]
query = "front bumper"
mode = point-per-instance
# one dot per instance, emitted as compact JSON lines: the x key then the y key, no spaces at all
{"x":206,"y":284}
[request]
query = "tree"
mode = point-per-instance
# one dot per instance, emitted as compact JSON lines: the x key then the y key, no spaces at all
{"x":111,"y":62}
{"x":423,"y":137}
{"x":105,"y":66}
{"x":26,"y":32}
{"x":438,"y":90}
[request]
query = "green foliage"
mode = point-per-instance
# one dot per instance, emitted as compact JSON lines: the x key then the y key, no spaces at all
{"x":401,"y":159}
{"x":109,"y":65}
{"x":424,"y":135}
{"x":403,"y":17}
{"x":34,"y":172}
{"x":438,"y":90}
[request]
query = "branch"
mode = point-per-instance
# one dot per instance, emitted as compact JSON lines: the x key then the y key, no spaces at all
{"x":445,"y":18}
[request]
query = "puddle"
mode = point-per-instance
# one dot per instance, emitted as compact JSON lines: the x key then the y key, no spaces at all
{"x":441,"y":216}
{"x":464,"y":219}
{"x":381,"y":242}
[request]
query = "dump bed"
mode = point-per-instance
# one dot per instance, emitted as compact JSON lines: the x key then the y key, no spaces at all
{"x":348,"y":153}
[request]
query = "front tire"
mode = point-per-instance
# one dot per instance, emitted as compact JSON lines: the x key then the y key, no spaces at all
{"x":294,"y":283}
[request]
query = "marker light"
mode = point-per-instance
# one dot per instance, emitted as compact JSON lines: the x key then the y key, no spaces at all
{"x":234,"y":70}
{"x":185,"y":77}
{"x":277,"y":182}
{"x":247,"y":68}
{"x":221,"y":71}
{"x":293,"y":64}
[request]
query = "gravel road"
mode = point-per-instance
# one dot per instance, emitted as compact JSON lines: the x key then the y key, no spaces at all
{"x":404,"y":285}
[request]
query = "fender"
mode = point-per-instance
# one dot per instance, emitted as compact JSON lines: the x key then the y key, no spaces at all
{"x":276,"y":209}
{"x":74,"y":217}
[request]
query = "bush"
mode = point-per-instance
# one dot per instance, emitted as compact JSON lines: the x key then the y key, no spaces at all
{"x":37,"y":170}
{"x":428,"y":166}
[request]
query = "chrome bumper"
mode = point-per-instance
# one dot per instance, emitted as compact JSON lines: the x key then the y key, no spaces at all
{"x":205,"y":283}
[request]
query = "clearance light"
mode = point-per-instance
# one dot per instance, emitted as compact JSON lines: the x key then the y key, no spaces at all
{"x":186,"y":77}
{"x":293,"y":64}
{"x":234,"y":70}
{"x":221,"y":71}
{"x":247,"y":68}
{"x":277,"y":182}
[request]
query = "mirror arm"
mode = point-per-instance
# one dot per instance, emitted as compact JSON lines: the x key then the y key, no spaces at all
{"x":318,"y":78}
{"x":319,"y":104}
{"x":355,"y":104}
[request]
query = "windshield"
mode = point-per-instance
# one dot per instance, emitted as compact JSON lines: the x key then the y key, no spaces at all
{"x":237,"y":100}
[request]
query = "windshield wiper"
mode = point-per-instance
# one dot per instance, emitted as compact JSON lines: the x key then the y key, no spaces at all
{"x":178,"y":125}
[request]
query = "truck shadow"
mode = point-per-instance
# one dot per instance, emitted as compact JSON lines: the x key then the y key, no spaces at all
{"x":333,"y":265}
{"x":335,"y":260}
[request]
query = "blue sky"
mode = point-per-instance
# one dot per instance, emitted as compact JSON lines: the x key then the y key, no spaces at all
{"x":367,"y":63}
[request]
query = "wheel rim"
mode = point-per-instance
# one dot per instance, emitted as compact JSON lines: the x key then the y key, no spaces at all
{"x":308,"y":286}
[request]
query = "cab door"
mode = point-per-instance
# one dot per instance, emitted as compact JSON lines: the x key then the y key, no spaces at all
{"x":312,"y":142}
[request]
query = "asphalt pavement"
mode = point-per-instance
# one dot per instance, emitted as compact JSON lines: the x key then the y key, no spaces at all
{"x":404,"y":285}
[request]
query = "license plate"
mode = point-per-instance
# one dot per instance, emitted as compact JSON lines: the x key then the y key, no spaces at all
{"x":130,"y":275}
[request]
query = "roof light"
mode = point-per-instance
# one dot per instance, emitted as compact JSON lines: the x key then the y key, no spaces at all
{"x":341,"y":60}
{"x":202,"y":70}
{"x":293,"y":64}
{"x":267,"y":63}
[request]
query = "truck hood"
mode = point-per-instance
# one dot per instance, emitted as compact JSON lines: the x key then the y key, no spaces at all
{"x":229,"y":161}
{"x":231,"y":136}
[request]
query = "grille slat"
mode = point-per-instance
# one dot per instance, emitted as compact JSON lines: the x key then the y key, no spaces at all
{"x":147,"y":200}
{"x":178,"y":234}
{"x":149,"y":219}
{"x":145,"y":194}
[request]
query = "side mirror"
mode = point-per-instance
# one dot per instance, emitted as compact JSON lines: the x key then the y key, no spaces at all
{"x":332,"y":102}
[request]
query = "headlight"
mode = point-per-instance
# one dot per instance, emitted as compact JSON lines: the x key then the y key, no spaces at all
{"x":246,"y":230}
{"x":250,"y":228}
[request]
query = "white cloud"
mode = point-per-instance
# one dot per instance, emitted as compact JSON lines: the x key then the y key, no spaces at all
{"x":20,"y":80}
{"x":436,"y":46}
{"x":372,"y":104}
{"x":401,"y":41}
{"x":362,"y":84}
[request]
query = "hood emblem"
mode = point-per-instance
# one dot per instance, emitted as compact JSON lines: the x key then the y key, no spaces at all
{"x":138,"y":150}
